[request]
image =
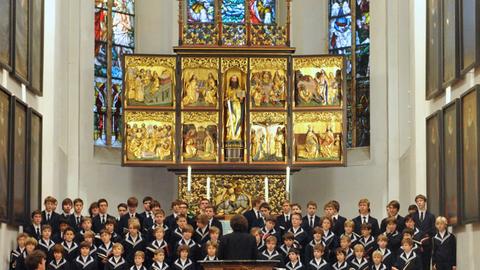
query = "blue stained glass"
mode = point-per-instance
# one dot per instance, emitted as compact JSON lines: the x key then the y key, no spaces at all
{"x":233,"y":11}
{"x":262,"y":11}
{"x":339,"y":8}
{"x":117,"y":112}
{"x":100,"y":59}
{"x":201,"y":11}
{"x":117,"y":53}
{"x":340,"y":33}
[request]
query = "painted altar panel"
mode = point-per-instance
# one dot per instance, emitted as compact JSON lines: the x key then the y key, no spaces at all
{"x":149,"y":81}
{"x":200,"y":82}
{"x":232,"y":194}
{"x":150,"y":137}
{"x":318,"y":137}
{"x":200,"y":137}
{"x":268,"y":82}
{"x":268,"y":137}
{"x":318,"y":81}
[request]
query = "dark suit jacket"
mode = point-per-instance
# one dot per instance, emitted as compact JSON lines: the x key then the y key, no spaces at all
{"x":282,"y":224}
{"x":251,"y":218}
{"x":400,"y":224}
{"x":306,"y":223}
{"x":338,"y":226}
{"x":373,"y":221}
{"x":428,"y":224}
{"x":54,"y":221}
{"x":97,"y":225}
{"x":122,"y":225}
{"x":444,"y":251}
{"x":238,"y":246}
{"x":215,"y":222}
{"x":30,"y":230}
{"x":73,"y":223}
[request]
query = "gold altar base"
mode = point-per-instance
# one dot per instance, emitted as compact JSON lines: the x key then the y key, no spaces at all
{"x":233,"y":193}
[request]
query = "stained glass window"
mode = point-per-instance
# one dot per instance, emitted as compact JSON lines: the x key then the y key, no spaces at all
{"x":201,"y":11}
{"x":107,"y":106}
{"x":233,"y":11}
{"x":262,"y":11}
{"x":346,"y":37}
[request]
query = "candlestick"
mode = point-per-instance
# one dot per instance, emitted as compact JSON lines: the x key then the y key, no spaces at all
{"x":287,"y":180}
{"x":189,"y":179}
{"x":208,"y":188}
{"x":266,"y":189}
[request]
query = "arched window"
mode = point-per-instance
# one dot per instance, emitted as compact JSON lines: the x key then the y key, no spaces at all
{"x":349,"y":31}
{"x":114,"y":37}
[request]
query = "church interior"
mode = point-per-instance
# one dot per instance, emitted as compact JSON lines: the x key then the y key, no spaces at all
{"x":236,"y":101}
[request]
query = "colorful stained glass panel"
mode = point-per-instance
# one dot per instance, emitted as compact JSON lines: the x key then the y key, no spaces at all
{"x":100,"y":110}
{"x":117,"y":53}
{"x":363,"y":61}
{"x":101,"y":25}
{"x":117,"y":112}
{"x":339,"y":8}
{"x":363,"y":113}
{"x":100,"y":59}
{"x":262,"y":11}
{"x":201,"y":11}
{"x":363,"y":22}
{"x":124,"y":6}
{"x":123,"y":29}
{"x":233,"y":11}
{"x":340,"y":32}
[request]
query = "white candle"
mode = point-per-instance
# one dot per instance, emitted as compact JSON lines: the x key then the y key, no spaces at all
{"x":189,"y":179}
{"x":287,"y":179}
{"x":208,"y":187}
{"x":266,"y":189}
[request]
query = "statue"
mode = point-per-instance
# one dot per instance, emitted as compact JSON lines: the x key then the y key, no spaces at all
{"x":235,"y":113}
{"x":279,"y":142}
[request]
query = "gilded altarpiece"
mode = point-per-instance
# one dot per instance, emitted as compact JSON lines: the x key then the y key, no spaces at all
{"x":232,"y":194}
{"x":232,"y":112}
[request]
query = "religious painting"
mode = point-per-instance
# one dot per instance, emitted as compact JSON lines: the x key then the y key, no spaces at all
{"x":123,"y":29}
{"x":124,"y":6}
{"x":434,"y":162}
{"x":150,"y":137}
{"x":35,"y":163}
{"x":268,"y":82}
{"x":201,"y":11}
{"x":451,"y":157}
{"x":318,"y":137}
{"x":234,"y":76}
{"x":21,"y":40}
{"x":233,"y":194}
{"x":262,"y":11}
{"x":5,"y":128}
{"x":268,"y":137}
{"x":200,"y":82}
{"x":340,"y":32}
{"x":469,"y":30}
{"x":101,"y":29}
{"x":5,"y":33}
{"x":450,"y":42}
{"x":233,"y":11}
{"x":20,"y":161}
{"x":434,"y":53}
{"x":470,"y":203}
{"x":318,"y":81}
{"x":200,"y":137}
{"x":149,"y":81}
{"x":36,"y":48}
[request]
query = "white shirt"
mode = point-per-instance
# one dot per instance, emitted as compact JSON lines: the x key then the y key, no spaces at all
{"x":365,"y":217}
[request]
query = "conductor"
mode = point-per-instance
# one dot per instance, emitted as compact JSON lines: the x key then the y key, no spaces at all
{"x":238,"y":245}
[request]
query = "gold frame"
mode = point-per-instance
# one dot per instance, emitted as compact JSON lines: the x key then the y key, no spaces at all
{"x":274,"y":117}
{"x":201,"y":116}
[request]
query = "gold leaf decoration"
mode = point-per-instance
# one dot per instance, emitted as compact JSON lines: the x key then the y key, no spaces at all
{"x":268,"y":117}
{"x":268,"y":63}
{"x":240,"y":63}
{"x":320,"y":61}
{"x":200,"y":62}
{"x":137,"y":60}
{"x":149,"y":116}
{"x":200,"y":117}
{"x":323,"y":116}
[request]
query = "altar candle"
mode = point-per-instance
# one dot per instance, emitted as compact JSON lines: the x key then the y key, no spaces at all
{"x":266,"y":189}
{"x":287,"y":179}
{"x":208,"y":187}
{"x":189,"y":179}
